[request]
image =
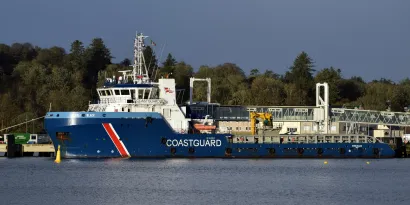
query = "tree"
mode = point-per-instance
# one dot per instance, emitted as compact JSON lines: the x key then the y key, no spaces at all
{"x":126,"y":62}
{"x":400,"y":98}
{"x":182,"y":73}
{"x":267,"y":91}
{"x":333,"y":77}
{"x":98,"y":56}
{"x":52,"y":56}
{"x":351,"y":89}
{"x":300,"y":75}
{"x":376,"y":96}
{"x":150,"y":60}
{"x":169,"y":62}
{"x":168,"y":67}
{"x":254,"y":72}
{"x":6,"y":60}
{"x":75,"y":62}
{"x":271,"y":74}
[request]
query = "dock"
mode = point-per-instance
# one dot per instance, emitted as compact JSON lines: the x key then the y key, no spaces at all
{"x":41,"y":150}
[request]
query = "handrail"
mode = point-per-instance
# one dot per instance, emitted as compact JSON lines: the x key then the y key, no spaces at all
{"x":22,"y":123}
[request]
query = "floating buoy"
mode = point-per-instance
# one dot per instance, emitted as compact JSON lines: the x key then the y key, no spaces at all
{"x":58,"y":156}
{"x":325,"y":162}
{"x":367,"y":162}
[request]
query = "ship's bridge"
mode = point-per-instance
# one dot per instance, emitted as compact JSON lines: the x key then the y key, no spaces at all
{"x":127,"y":93}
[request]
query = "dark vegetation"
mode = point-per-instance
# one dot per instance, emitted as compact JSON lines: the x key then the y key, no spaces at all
{"x":32,"y":78}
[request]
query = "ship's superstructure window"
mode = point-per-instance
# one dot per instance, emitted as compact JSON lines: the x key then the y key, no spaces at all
{"x":147,"y":93}
{"x":117,"y":92}
{"x":125,"y":92}
{"x":144,"y":93}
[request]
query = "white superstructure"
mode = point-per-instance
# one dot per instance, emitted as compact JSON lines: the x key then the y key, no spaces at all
{"x":135,"y":92}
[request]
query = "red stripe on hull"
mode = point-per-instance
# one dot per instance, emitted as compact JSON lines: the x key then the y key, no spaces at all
{"x":115,"y":140}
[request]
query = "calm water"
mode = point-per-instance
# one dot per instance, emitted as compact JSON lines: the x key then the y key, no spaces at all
{"x":199,"y":181}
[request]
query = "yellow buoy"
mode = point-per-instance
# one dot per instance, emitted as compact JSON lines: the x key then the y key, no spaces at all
{"x":367,"y":162}
{"x":58,"y":156}
{"x":325,"y":162}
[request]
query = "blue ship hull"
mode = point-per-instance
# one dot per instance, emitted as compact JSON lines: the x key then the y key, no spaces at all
{"x":117,"y":134}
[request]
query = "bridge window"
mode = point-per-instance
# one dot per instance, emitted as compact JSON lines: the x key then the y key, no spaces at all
{"x":108,"y":92}
{"x":102,"y":92}
{"x":147,"y":93}
{"x":154,"y":93}
{"x":125,"y":92}
{"x":117,"y":92}
{"x":140,"y":93}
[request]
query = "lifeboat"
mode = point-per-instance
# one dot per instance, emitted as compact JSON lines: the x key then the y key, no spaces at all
{"x":204,"y":127}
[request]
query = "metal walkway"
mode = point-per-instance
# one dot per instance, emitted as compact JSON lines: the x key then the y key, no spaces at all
{"x":287,"y":113}
{"x":370,"y":117}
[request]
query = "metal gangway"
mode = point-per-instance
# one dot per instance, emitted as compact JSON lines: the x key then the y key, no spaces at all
{"x":370,"y":117}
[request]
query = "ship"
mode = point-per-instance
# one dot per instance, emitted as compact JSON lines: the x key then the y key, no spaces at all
{"x":137,"y":117}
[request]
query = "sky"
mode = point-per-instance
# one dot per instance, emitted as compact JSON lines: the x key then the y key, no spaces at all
{"x":367,"y":38}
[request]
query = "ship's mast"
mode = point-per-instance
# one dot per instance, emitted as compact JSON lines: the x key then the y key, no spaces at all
{"x":139,"y":71}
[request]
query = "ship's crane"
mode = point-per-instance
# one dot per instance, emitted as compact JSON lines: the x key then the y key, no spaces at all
{"x":266,"y":117}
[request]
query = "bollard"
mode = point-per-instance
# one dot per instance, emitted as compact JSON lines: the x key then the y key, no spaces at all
{"x":11,"y":148}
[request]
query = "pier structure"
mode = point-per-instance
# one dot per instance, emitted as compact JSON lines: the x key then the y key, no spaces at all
{"x":46,"y":150}
{"x":318,"y":119}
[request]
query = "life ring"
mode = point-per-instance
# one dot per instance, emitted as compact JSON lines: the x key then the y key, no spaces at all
{"x":300,"y":150}
{"x":375,"y":151}
{"x":173,"y":150}
{"x":320,"y":150}
{"x":342,"y":150}
{"x":191,"y":150}
{"x":271,"y":151}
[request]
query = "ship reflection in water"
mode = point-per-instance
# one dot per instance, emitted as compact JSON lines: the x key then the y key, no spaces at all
{"x":205,"y":181}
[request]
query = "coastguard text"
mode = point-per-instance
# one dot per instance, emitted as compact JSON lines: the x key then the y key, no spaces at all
{"x":194,"y":143}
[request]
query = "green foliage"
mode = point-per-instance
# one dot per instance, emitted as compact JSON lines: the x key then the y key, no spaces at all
{"x":301,"y":76}
{"x":333,"y":77}
{"x":150,"y":60}
{"x":31,"y":78}
{"x":267,"y":91}
{"x":376,"y":96}
{"x":169,"y":62}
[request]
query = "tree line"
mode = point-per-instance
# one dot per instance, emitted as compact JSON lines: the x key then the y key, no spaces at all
{"x":32,"y":78}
